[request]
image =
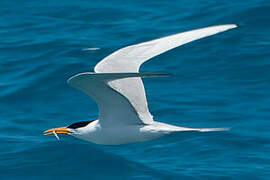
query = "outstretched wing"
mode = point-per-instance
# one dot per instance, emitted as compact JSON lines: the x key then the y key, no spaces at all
{"x":129,"y":59}
{"x":114,"y":108}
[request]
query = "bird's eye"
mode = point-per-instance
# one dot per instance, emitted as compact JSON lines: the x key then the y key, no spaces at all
{"x":79,"y":124}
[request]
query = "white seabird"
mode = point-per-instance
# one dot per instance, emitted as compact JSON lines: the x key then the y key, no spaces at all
{"x":117,"y":88}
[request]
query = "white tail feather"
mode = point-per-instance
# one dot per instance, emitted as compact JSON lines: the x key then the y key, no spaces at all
{"x":178,"y":128}
{"x":209,"y":129}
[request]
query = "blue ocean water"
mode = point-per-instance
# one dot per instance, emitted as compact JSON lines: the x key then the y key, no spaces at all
{"x":219,"y":81}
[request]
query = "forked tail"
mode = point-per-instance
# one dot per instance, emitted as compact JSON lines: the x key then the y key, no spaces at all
{"x":203,"y":129}
{"x":211,"y":129}
{"x":173,"y":128}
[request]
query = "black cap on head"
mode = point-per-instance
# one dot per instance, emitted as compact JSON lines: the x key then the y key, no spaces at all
{"x":79,"y":124}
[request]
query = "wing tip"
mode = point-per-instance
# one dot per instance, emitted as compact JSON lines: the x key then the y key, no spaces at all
{"x":69,"y":81}
{"x":221,"y":28}
{"x":229,"y":26}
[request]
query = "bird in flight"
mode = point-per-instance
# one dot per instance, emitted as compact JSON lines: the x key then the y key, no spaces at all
{"x":117,"y":88}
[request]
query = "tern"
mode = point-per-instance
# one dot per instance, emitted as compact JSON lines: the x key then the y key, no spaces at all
{"x":117,"y":88}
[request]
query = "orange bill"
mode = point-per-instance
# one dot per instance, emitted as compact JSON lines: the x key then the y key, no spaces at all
{"x":59,"y":130}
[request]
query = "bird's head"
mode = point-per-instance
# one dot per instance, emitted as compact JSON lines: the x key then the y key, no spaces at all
{"x":72,"y":129}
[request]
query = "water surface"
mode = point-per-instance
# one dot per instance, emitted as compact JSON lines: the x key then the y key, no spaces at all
{"x":219,"y":81}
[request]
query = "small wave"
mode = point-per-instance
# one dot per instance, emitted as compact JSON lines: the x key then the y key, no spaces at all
{"x":91,"y":49}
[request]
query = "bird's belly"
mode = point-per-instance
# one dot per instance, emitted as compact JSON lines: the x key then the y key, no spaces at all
{"x":121,"y":135}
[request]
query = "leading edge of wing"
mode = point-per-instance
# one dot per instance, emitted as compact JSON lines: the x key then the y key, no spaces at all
{"x":113,"y":76}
